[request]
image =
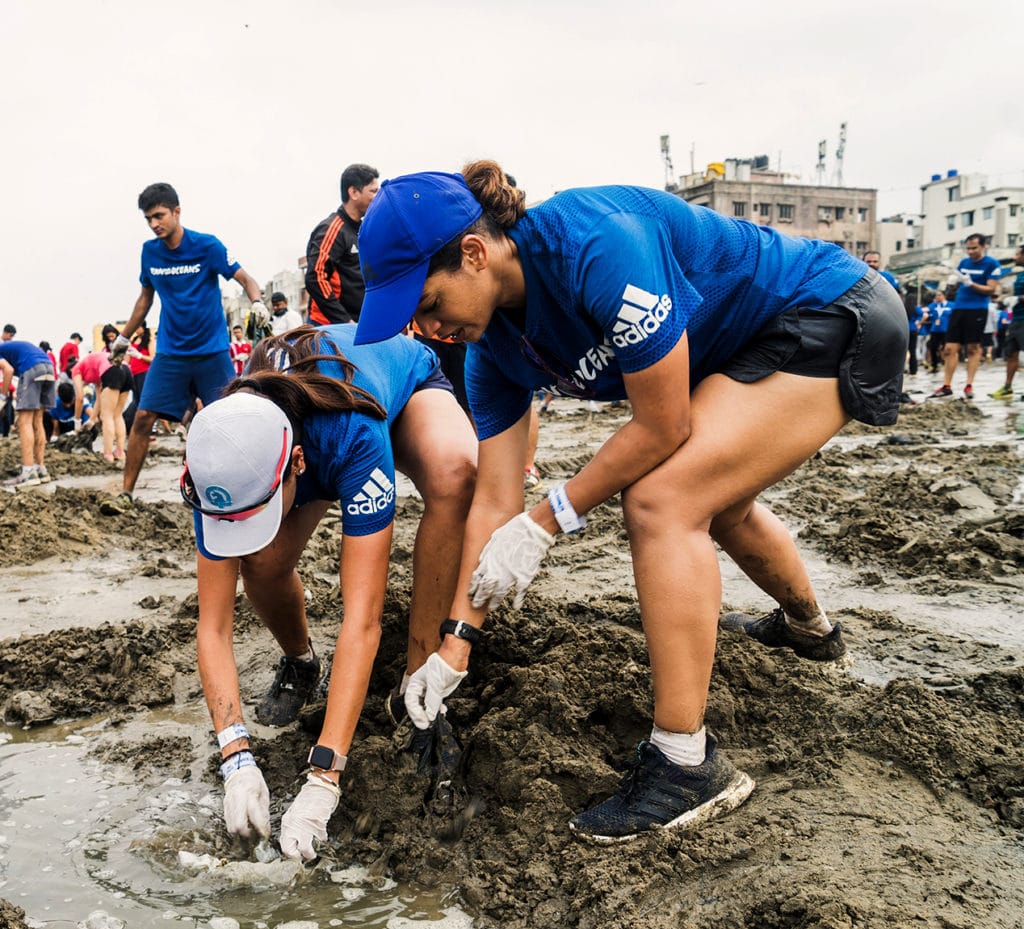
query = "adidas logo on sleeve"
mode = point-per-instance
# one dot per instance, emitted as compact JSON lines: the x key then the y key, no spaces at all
{"x":377,"y":493}
{"x":640,"y":316}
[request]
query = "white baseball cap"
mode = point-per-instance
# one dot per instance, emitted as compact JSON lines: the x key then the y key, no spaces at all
{"x":235,"y":455}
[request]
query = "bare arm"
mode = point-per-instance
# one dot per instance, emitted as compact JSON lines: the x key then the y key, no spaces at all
{"x":214,"y":648}
{"x":143,"y":304}
{"x":364,"y":575}
{"x":251,"y":288}
{"x":8,"y":376}
{"x":660,"y":398}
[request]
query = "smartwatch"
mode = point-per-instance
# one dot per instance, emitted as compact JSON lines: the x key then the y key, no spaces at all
{"x":320,"y":756}
{"x":461,"y":630}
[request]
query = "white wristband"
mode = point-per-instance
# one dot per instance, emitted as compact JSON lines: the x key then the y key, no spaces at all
{"x":237,"y":761}
{"x":231,"y":734}
{"x":568,"y":521}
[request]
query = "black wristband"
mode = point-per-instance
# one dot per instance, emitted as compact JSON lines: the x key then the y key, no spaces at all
{"x":461,"y":630}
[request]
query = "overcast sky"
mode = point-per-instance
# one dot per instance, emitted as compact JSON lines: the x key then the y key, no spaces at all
{"x":250,"y":108}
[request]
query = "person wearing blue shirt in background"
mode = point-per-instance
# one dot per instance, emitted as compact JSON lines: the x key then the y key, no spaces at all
{"x":37,"y":389}
{"x":184,"y":268}
{"x":874,"y":261}
{"x":62,"y":414}
{"x":1013,"y":340}
{"x":741,"y":351}
{"x":314,"y":421}
{"x":978,"y":278}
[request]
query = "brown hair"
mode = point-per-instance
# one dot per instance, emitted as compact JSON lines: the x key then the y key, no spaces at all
{"x":284,"y":369}
{"x":503,"y":204}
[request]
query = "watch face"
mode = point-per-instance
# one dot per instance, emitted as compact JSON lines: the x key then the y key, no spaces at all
{"x":322,"y":757}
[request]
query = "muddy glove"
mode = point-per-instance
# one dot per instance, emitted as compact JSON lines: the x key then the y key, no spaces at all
{"x":512,"y":557}
{"x":260,"y":314}
{"x":246,"y":798}
{"x":306,"y":819}
{"x":427,"y":688}
{"x":118,"y":349}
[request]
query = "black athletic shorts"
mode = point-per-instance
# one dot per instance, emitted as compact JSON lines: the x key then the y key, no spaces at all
{"x":452,"y":356}
{"x":1014,"y":341}
{"x":966,"y":327}
{"x":117,"y":377}
{"x":860,"y":338}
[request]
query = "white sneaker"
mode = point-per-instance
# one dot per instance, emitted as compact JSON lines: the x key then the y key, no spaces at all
{"x":24,"y":479}
{"x":43,"y":474}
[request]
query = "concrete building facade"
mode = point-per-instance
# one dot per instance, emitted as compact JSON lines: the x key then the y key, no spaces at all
{"x":748,"y":189}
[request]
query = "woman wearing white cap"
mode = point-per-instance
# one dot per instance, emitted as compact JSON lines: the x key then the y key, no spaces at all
{"x":313,"y":421}
{"x":741,"y":351}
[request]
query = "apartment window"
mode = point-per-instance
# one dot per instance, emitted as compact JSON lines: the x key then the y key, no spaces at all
{"x":786,"y":212}
{"x":840,"y":212}
{"x":967,"y":219}
{"x":1013,"y":239}
{"x":899,"y":245}
{"x":951,"y":222}
{"x":738,"y":208}
{"x":824,"y":214}
{"x":1013,"y":208}
{"x":862,"y":214}
{"x":986,"y":212}
{"x":953,"y":193}
{"x":862,"y":247}
{"x":910,"y":243}
{"x":765,"y":209}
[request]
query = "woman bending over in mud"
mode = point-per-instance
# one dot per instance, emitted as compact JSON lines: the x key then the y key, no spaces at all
{"x":741,"y":351}
{"x":316,"y":420}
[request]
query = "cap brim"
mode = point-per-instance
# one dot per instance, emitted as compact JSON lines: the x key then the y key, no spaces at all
{"x":387,"y":309}
{"x":234,"y":538}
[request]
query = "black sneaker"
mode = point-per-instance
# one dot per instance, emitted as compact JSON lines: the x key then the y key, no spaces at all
{"x":773,"y":630}
{"x":394,"y":706}
{"x":296,"y":681}
{"x":116,"y":506}
{"x":656,"y":793}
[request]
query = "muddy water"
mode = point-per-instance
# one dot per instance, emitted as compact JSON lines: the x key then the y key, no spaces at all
{"x":890,"y":788}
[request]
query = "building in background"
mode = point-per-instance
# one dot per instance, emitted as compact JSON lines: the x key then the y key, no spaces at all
{"x":749,"y":189}
{"x":896,"y":235}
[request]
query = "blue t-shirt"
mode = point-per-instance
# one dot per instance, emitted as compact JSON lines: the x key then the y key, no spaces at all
{"x":914,"y":322}
{"x":615,"y":276}
{"x":65,"y":414}
{"x":22,"y":355}
{"x":186,"y":278}
{"x":891,"y":278}
{"x":942,"y":320}
{"x":981,"y":272}
{"x":348,"y":455}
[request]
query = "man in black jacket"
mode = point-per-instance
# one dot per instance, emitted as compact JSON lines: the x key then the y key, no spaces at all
{"x":334,"y":280}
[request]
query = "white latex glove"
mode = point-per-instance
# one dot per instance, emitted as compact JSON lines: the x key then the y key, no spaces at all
{"x":965,"y":278}
{"x":260,"y":313}
{"x":78,"y":425}
{"x":247,"y":803}
{"x":133,"y":352}
{"x":118,"y":349}
{"x":427,"y":688}
{"x":306,"y":819}
{"x":511,"y":557}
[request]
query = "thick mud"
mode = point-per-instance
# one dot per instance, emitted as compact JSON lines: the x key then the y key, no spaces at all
{"x":890,"y":786}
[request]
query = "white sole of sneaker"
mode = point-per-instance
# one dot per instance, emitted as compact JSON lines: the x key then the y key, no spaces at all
{"x":735,"y":792}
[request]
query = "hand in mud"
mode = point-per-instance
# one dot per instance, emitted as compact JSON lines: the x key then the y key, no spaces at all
{"x":306,"y":819}
{"x":510,"y":559}
{"x":427,"y":688}
{"x":247,"y":803}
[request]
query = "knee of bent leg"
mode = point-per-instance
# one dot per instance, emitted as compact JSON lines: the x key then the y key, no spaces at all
{"x":450,"y":481}
{"x":650,"y":506}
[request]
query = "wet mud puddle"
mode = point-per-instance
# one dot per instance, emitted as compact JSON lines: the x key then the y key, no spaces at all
{"x":80,"y":843}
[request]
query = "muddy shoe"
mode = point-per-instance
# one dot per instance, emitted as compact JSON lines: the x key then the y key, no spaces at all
{"x":773,"y":631}
{"x":24,"y":479}
{"x":296,"y":681}
{"x":394,"y":706}
{"x":118,"y":505}
{"x":656,"y":793}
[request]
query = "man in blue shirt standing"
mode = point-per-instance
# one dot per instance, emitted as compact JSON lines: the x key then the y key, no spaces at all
{"x":192,"y":359}
{"x":978,"y":276}
{"x":874,"y":260}
{"x":1013,"y":340}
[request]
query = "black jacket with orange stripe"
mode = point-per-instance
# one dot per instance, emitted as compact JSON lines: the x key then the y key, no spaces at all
{"x":334,"y":280}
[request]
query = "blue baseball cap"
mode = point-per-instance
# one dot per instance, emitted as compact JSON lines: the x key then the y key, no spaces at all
{"x":409,"y":221}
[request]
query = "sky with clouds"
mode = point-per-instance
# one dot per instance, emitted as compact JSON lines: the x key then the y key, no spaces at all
{"x":251,"y":109}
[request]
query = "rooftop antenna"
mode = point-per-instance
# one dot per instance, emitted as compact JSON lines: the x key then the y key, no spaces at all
{"x":666,"y":156}
{"x":839,"y":155}
{"x":819,"y":171}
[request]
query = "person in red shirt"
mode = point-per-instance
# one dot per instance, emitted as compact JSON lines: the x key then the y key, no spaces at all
{"x":239,"y":349}
{"x":69,"y":350}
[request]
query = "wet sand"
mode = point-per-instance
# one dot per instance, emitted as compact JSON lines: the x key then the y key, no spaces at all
{"x":890,"y":786}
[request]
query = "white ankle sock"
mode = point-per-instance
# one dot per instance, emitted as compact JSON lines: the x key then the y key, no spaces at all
{"x":28,"y":469}
{"x":307,"y":655}
{"x":686,"y":749}
{"x":819,"y":626}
